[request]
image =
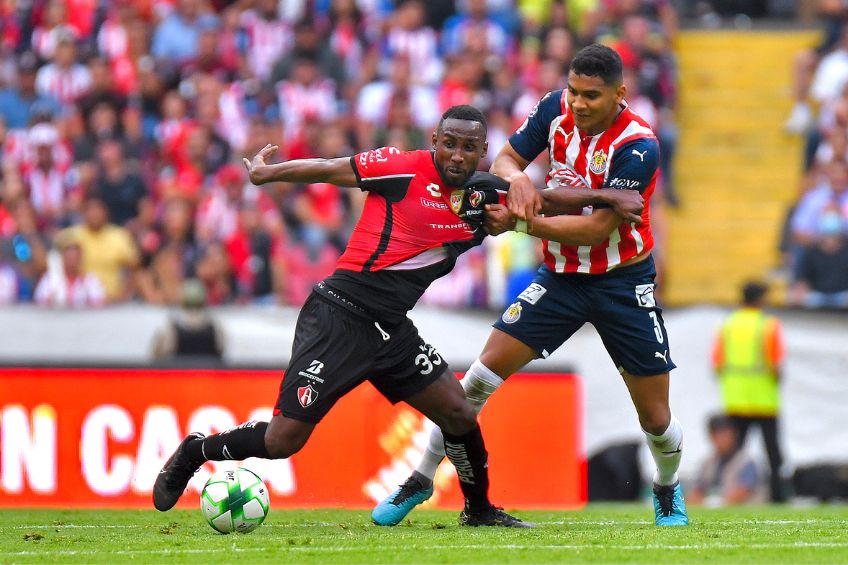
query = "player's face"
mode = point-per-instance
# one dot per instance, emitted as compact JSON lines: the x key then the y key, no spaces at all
{"x":593,"y":103}
{"x":459,"y":145}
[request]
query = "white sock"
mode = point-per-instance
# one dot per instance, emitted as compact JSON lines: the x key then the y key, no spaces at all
{"x":479,"y":384}
{"x":667,"y":450}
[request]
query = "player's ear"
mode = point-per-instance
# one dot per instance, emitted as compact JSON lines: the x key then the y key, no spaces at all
{"x":433,"y":139}
{"x":485,"y":149}
{"x":620,"y":92}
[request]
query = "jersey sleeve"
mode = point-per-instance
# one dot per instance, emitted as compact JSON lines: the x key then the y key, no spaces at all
{"x":634,"y":165}
{"x":386,"y":171}
{"x":531,"y":138}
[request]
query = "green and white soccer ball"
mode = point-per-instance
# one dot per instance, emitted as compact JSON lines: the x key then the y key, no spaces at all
{"x":234,"y":501}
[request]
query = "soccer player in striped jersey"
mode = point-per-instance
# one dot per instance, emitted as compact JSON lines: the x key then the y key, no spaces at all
{"x":597,"y":266}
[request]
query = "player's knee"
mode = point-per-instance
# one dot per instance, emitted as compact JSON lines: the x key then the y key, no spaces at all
{"x":655,"y":422}
{"x":458,"y":419}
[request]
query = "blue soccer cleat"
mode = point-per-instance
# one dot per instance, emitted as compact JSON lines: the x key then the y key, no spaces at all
{"x":669,"y":507}
{"x":397,"y":505}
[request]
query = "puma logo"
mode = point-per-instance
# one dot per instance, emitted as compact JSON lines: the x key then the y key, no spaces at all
{"x":662,"y":356}
{"x":641,"y":155}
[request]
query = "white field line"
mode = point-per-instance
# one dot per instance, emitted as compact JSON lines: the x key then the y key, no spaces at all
{"x":331,"y":524}
{"x":393,"y":548}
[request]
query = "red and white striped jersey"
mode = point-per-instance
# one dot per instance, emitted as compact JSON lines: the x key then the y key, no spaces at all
{"x":267,"y":41}
{"x":302,"y":103}
{"x":624,"y":156}
{"x":64,"y":85}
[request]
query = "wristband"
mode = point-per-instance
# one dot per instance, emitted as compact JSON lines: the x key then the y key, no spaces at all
{"x":521,"y":225}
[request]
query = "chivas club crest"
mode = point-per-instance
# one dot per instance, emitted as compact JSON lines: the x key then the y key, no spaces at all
{"x":598,"y":164}
{"x":456,"y":200}
{"x":512,"y":313}
{"x":306,"y":395}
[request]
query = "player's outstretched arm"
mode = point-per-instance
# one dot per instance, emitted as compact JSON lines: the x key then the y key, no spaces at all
{"x":523,"y":200}
{"x":334,"y":171}
{"x":626,"y":203}
{"x":593,"y":229}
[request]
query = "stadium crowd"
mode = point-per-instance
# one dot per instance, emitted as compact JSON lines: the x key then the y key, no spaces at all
{"x":815,"y":235}
{"x":123,"y":124}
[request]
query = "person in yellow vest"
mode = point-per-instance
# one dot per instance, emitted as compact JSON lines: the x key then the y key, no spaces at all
{"x":747,"y":358}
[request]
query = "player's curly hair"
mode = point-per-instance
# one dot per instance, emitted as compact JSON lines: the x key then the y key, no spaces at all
{"x":598,"y":60}
{"x":465,"y":112}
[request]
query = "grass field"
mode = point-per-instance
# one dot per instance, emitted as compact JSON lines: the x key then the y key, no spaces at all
{"x":598,"y":534}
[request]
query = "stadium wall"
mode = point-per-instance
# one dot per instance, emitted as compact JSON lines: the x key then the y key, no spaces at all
{"x":814,"y":387}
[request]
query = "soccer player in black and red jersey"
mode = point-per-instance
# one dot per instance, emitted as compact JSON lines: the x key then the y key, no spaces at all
{"x":354,"y":326}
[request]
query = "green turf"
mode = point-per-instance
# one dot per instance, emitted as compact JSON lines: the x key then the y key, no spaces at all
{"x":598,"y":534}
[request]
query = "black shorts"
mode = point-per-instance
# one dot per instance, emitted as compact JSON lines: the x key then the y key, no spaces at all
{"x":336,"y":348}
{"x":620,"y":304}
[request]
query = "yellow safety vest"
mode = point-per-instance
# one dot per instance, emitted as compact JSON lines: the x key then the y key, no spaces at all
{"x":749,"y":386}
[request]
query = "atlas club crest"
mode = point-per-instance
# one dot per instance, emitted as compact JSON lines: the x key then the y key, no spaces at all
{"x":306,"y":395}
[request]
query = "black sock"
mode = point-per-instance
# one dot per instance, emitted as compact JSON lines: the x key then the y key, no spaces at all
{"x":246,"y":440}
{"x":470,"y":458}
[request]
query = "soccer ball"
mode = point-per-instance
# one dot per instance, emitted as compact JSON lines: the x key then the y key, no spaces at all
{"x":234,"y":501}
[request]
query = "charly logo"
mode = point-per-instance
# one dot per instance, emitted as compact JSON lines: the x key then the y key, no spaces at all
{"x":598,"y":164}
{"x":456,"y":198}
{"x":512,"y":314}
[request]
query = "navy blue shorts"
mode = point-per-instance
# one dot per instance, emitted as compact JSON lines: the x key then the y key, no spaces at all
{"x":620,"y":304}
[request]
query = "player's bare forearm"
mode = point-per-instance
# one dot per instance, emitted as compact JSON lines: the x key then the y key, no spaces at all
{"x":576,"y":230}
{"x":626,"y":203}
{"x":523,"y":200}
{"x":335,"y":171}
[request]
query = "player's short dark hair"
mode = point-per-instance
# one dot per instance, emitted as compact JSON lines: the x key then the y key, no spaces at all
{"x":753,"y":293}
{"x":598,"y":60}
{"x":465,"y":112}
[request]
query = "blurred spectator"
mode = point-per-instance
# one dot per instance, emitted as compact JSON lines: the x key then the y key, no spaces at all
{"x":120,"y":188}
{"x":102,"y":90}
{"x":23,"y":252}
{"x":48,"y":183}
{"x":53,"y":29}
{"x":307,"y":96}
{"x":191,"y":332}
{"x":408,"y":37}
{"x":176,"y":37}
{"x":375,"y":101}
{"x":250,"y":250}
{"x":65,"y":283}
{"x":308,"y":44}
{"x":473,"y":24}
{"x":21,"y":102}
{"x":176,"y":258}
{"x":268,"y":36}
{"x":826,"y":190}
{"x":821,"y":279}
{"x":747,"y":357}
{"x":65,"y":80}
{"x":729,"y":475}
{"x":108,"y":251}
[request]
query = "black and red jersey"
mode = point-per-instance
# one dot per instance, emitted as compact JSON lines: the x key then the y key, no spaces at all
{"x":407,"y":235}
